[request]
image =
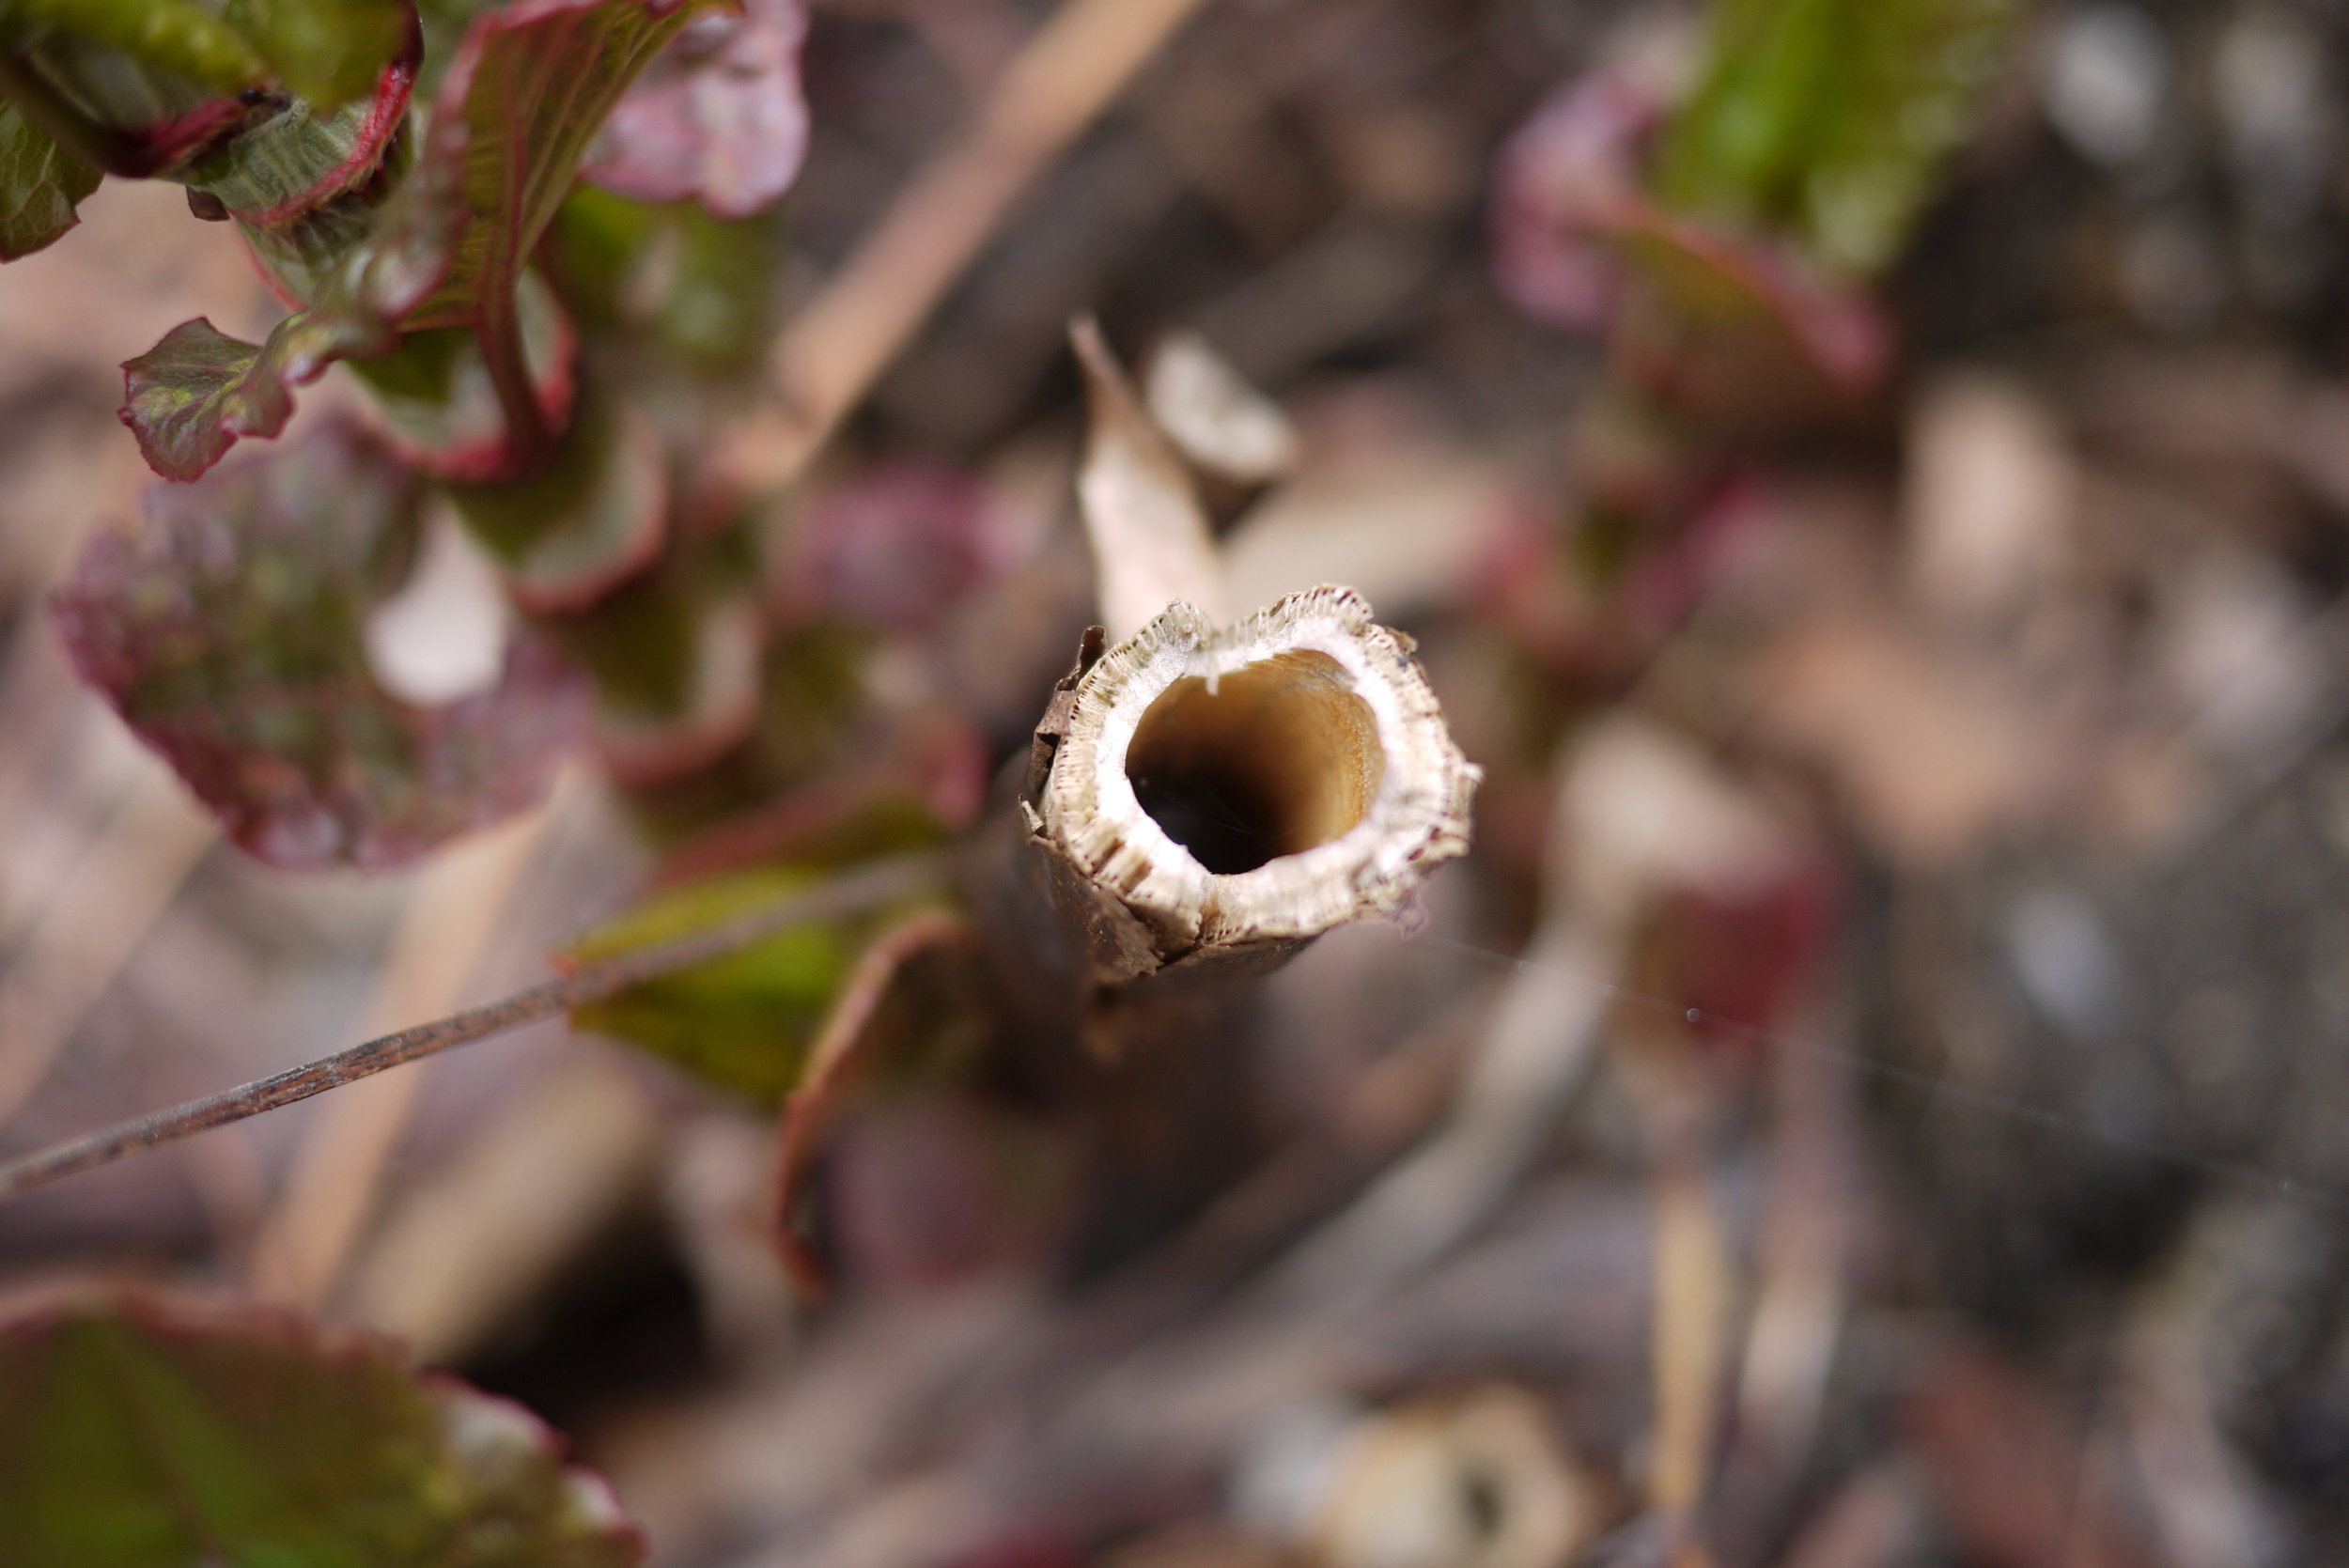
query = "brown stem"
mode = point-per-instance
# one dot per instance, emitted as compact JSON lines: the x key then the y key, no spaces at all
{"x":808,"y":1107}
{"x":876,"y":883}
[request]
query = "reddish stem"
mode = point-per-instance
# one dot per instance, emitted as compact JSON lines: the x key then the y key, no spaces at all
{"x":528,"y":441}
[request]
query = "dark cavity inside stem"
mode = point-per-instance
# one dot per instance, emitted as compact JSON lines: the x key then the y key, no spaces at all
{"x":1282,"y":756}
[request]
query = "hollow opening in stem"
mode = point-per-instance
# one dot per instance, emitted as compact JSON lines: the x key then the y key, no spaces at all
{"x":1281,"y":756}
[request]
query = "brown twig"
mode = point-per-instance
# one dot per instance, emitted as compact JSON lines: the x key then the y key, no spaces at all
{"x":877,"y":883}
{"x":829,"y":356}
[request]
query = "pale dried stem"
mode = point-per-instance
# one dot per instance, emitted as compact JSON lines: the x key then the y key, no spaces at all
{"x":877,"y":883}
{"x":1533,"y":1055}
{"x":103,"y":906}
{"x":831,"y":355}
{"x":1219,"y":422}
{"x":452,"y":913}
{"x":1216,"y":790}
{"x":1799,"y":1291}
{"x":1694,"y":1280}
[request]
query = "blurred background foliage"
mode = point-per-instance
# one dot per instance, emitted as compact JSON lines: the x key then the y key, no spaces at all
{"x":1866,"y":481}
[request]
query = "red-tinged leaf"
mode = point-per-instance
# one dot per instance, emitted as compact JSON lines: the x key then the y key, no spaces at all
{"x":742,"y":1022}
{"x":529,"y":87}
{"x":717,"y":117}
{"x":412,"y":241}
{"x":229,"y":631}
{"x":301,"y":159}
{"x":1751,"y":299}
{"x":703,"y":288}
{"x":1576,"y":161}
{"x":183,"y":38}
{"x":130,"y":113}
{"x":713,"y":705}
{"x":191,"y":396}
{"x":1700,"y":316}
{"x":823,"y":1078}
{"x":153,"y":1432}
{"x":40,"y":185}
{"x":327,"y":52}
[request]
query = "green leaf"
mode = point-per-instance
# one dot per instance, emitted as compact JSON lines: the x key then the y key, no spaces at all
{"x":330,"y":51}
{"x":40,"y":185}
{"x":327,"y":52}
{"x":145,"y":1432}
{"x":704,"y":287}
{"x":229,"y":631}
{"x":528,"y":89}
{"x":177,"y":36}
{"x":742,"y":1022}
{"x":1828,"y":120}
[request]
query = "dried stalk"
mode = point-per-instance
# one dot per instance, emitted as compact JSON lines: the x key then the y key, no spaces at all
{"x":1212,"y":791}
{"x":829,"y":356}
{"x":876,"y":883}
{"x":1205,"y":798}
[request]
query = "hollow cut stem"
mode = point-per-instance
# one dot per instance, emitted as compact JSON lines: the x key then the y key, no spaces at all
{"x":1209,"y":789}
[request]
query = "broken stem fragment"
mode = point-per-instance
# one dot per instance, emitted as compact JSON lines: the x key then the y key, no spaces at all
{"x":1214,"y":790}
